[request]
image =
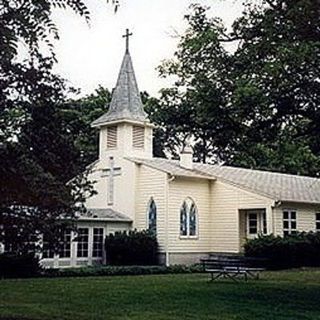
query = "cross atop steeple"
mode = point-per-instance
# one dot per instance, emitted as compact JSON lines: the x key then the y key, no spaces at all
{"x":127,"y":35}
{"x":126,"y":102}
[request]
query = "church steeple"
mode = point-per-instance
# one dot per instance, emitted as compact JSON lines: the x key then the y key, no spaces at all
{"x":125,"y":129}
{"x":126,"y":102}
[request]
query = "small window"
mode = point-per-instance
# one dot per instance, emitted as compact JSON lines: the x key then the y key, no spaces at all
{"x":65,"y":248}
{"x":97,"y":249}
{"x":289,"y":222}
{"x":188,"y":219}
{"x":138,"y":137}
{"x":253,"y":223}
{"x":317,"y":222}
{"x":152,"y":216}
{"x":112,"y":137}
{"x":83,"y":242}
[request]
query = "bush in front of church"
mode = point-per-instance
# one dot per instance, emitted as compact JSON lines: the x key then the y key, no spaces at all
{"x":292,"y":251}
{"x":132,"y":248}
{"x":19,"y":266}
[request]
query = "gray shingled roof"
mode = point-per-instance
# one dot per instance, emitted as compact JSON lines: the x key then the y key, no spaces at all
{"x":170,"y":166}
{"x":277,"y":186}
{"x":126,"y":102}
{"x":104,"y":215}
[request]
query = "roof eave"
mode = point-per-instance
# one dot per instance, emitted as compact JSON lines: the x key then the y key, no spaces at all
{"x":145,"y":123}
{"x":140,"y":162}
{"x":104,"y":219}
{"x":313,"y":202}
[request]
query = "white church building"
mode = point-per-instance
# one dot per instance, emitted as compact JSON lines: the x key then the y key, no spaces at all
{"x":195,"y":209}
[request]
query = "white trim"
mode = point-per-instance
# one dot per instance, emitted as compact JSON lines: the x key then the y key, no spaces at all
{"x":290,"y":230}
{"x":188,"y":236}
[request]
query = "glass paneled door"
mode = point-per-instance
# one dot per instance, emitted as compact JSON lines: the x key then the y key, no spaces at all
{"x":256,"y":223}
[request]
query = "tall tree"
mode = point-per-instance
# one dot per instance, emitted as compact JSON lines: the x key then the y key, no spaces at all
{"x":77,"y":116}
{"x":257,"y":106}
{"x":35,"y":156}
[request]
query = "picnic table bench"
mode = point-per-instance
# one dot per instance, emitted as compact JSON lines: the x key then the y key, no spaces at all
{"x":232,"y":267}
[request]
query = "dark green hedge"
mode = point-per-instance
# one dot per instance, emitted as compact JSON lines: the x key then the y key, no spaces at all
{"x":121,"y":271}
{"x":132,"y":248}
{"x":19,"y":266}
{"x":298,"y":250}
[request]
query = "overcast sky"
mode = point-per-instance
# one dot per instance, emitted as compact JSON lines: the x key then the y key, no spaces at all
{"x":89,"y":56}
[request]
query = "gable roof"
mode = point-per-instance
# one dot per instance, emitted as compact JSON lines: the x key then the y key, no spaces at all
{"x":107,"y":214}
{"x":126,"y":102}
{"x":171,"y":167}
{"x":276,"y":186}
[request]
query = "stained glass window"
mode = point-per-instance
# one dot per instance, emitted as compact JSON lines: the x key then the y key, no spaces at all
{"x":183,"y":219}
{"x":152,"y":216}
{"x":192,"y":220}
{"x":188,"y":218}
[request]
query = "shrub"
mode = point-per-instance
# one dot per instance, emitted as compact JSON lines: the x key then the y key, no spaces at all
{"x":121,"y":271}
{"x":297,"y":250}
{"x":132,"y":248}
{"x":19,"y":266}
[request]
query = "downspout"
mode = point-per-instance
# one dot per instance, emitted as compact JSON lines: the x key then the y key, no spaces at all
{"x":169,"y":179}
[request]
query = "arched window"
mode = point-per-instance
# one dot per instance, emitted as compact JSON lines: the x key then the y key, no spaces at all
{"x":152,"y":216}
{"x":188,"y":219}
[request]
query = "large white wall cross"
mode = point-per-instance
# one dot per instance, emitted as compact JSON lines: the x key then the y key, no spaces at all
{"x":111,"y":172}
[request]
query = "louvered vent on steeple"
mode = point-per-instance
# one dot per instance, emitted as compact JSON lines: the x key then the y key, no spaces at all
{"x":112,"y":137}
{"x":138,"y":137}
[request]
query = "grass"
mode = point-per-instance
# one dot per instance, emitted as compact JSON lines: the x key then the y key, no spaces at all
{"x":277,"y":295}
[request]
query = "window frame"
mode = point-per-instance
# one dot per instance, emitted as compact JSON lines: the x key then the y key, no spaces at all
{"x":82,"y":246}
{"x":97,"y":246}
{"x":249,"y":226}
{"x":65,"y":249}
{"x":188,"y":203}
{"x":47,"y":251}
{"x":290,"y":221}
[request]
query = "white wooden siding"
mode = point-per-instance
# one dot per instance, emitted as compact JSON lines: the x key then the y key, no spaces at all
{"x":306,"y":218}
{"x":151,"y":183}
{"x":226,"y":201}
{"x":198,"y":191}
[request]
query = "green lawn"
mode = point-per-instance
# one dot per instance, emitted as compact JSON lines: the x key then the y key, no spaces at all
{"x":277,"y":295}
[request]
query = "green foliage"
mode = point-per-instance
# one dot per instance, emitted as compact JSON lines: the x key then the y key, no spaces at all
{"x":132,"y":248}
{"x":298,"y":250}
{"x":37,"y":155}
{"x":19,"y":266}
{"x":257,"y":105}
{"x":122,"y":271}
{"x":77,"y":116}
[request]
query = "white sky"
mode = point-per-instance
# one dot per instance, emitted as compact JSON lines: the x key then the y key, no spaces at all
{"x":89,"y":56}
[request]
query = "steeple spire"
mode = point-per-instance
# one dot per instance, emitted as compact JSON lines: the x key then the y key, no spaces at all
{"x":126,"y":102}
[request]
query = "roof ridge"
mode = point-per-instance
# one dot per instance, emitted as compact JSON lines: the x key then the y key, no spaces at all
{"x":262,"y":171}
